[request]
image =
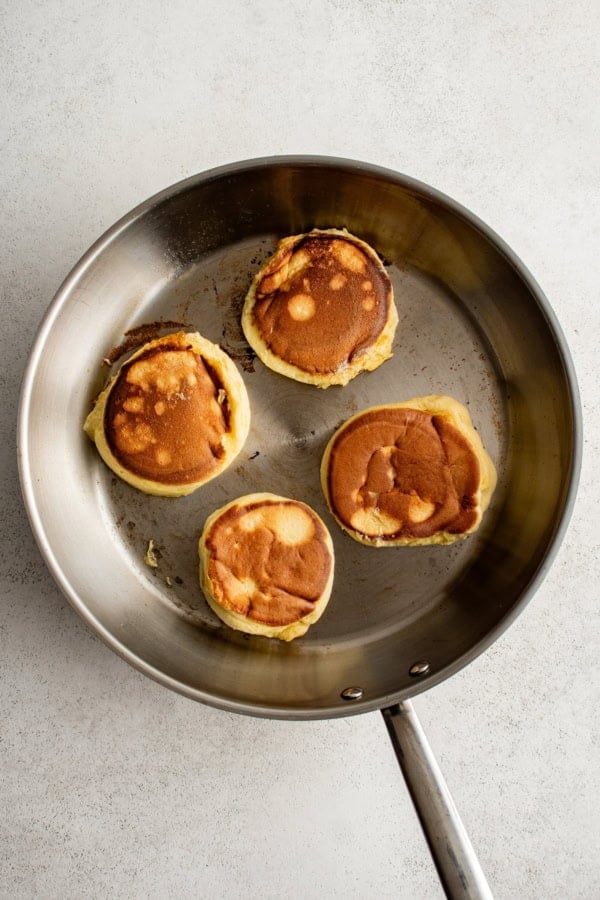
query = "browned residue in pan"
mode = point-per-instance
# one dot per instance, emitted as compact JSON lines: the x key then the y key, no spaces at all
{"x":233,"y":341}
{"x":138,"y":336}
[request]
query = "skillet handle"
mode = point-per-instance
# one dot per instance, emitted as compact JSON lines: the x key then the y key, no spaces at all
{"x":458,"y":868}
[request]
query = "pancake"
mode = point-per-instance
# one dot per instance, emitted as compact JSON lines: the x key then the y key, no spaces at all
{"x":321,"y":309}
{"x":408,"y":474}
{"x":174,"y":416}
{"x":266,"y":565}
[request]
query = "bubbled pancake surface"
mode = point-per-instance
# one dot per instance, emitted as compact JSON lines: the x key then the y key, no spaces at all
{"x":323,"y":304}
{"x":173,"y":417}
{"x":166,"y":415}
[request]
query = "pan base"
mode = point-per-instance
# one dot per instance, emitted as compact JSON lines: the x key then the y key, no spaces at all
{"x":438,"y":349}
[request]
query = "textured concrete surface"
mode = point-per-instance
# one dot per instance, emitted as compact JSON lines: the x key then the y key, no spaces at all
{"x":112,"y":786}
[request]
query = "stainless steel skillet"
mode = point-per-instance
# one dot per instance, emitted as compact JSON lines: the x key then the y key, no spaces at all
{"x":473,"y":324}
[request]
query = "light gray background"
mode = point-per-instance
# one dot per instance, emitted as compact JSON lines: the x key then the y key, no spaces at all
{"x":112,"y":786}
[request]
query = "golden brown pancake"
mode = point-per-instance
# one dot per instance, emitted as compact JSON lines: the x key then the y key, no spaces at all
{"x":266,"y":565}
{"x":321,"y":309}
{"x":408,"y":473}
{"x":174,"y":416}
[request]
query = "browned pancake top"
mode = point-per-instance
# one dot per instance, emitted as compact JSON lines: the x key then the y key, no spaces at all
{"x":413,"y":467}
{"x":320,"y":302}
{"x":167,"y":413}
{"x":269,"y":561}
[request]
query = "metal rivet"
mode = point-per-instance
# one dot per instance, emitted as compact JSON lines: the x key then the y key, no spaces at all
{"x":352,"y":693}
{"x":419,"y":668}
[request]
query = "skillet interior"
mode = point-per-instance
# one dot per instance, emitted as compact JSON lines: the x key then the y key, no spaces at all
{"x":472,"y":324}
